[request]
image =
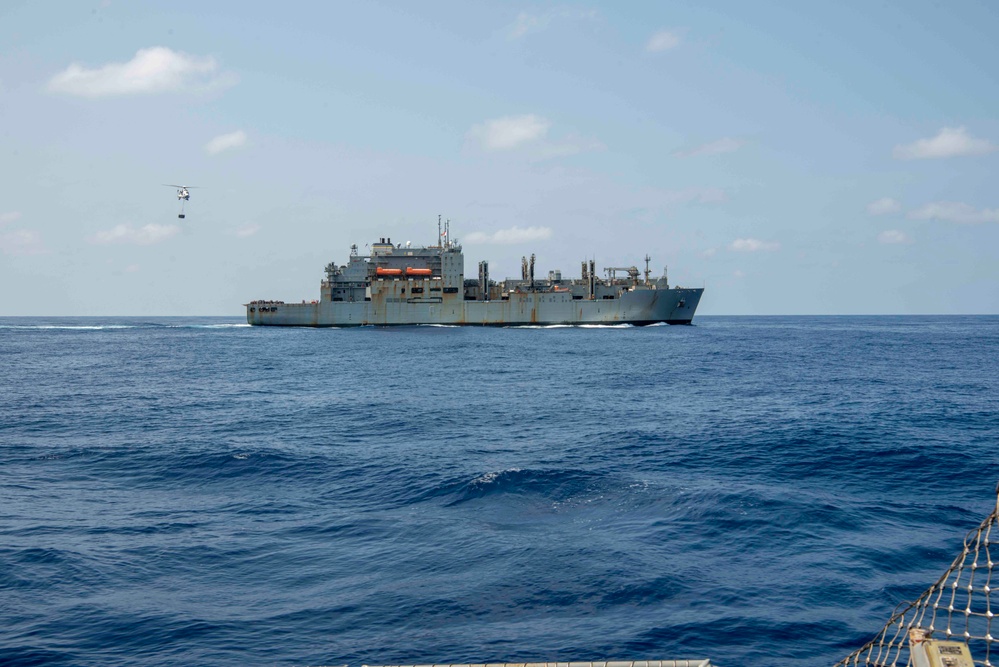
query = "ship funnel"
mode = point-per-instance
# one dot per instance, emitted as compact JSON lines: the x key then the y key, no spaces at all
{"x":484,"y":280}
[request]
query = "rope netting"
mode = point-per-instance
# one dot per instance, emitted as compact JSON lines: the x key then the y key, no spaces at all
{"x":957,"y":607}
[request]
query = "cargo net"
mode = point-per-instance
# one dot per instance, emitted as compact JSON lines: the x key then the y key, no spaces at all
{"x":957,"y":607}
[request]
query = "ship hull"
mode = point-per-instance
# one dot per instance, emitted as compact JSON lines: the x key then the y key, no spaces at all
{"x":638,"y":307}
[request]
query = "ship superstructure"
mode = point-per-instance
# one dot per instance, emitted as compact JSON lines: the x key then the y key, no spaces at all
{"x":402,"y":284}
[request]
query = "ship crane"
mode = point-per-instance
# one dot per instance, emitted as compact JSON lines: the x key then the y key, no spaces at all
{"x":632,"y":272}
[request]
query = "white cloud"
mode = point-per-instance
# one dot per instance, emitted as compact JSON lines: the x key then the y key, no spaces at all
{"x":951,"y":142}
{"x":725,"y":145}
{"x":709,"y":253}
{"x":7,"y":218}
{"x":884,"y":206}
{"x":225,"y":142}
{"x":527,"y":22}
{"x":21,"y":242}
{"x":954,"y":212}
{"x":663,"y":40}
{"x":509,"y":132}
{"x":147,"y":235}
{"x":753,"y":245}
{"x":132,"y":268}
{"x":248,"y":230}
{"x":738,"y":274}
{"x":153,"y":70}
{"x":894,"y":237}
{"x":510,"y":236}
{"x":528,"y":131}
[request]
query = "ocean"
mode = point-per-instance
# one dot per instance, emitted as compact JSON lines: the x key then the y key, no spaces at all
{"x":759,"y":491}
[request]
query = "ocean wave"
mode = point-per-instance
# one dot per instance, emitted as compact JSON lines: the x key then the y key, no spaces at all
{"x":555,"y":487}
{"x":235,"y":325}
{"x":569,"y":326}
{"x":69,"y":327}
{"x":111,"y":326}
{"x":758,"y":491}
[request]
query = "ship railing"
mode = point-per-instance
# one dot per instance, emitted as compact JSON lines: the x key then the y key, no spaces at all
{"x":953,"y":616}
{"x":699,"y":662}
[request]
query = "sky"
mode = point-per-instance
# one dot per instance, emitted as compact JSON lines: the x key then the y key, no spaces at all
{"x":790,"y":157}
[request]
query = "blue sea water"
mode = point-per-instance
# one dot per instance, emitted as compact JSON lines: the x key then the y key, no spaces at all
{"x":759,"y":491}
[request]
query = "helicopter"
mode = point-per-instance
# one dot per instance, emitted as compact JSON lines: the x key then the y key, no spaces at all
{"x":183,"y":196}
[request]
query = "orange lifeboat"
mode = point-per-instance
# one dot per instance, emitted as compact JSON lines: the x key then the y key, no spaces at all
{"x":410,"y":271}
{"x":387,"y":272}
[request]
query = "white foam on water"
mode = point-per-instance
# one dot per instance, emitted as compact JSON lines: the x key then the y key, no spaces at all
{"x":540,"y":326}
{"x":94,"y":327}
{"x":208,"y":326}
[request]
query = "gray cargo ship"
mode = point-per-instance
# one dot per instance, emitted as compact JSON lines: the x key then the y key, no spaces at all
{"x":406,"y":285}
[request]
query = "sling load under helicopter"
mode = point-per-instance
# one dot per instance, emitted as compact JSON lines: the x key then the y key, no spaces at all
{"x":183,"y":196}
